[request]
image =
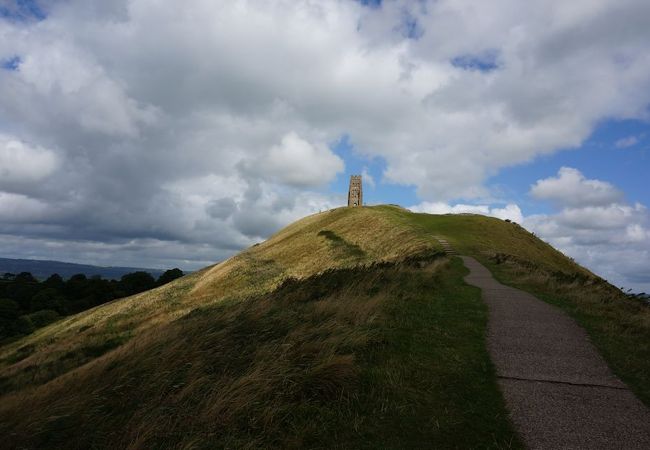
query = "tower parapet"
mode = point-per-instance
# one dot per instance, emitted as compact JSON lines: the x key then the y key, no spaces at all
{"x":355,"y":193}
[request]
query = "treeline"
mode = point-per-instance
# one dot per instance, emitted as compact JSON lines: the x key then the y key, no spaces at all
{"x":27,"y":304}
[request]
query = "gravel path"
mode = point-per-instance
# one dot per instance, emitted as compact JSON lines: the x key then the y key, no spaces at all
{"x":558,"y":389}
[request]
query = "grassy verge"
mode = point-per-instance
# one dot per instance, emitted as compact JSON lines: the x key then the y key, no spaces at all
{"x":433,"y":385}
{"x":618,"y":326}
{"x":383,"y":356}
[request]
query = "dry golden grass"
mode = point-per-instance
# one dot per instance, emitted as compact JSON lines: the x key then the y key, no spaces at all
{"x":217,"y":364}
{"x":350,"y":358}
{"x":296,"y":251}
{"x":345,"y":327}
{"x":327,"y":332}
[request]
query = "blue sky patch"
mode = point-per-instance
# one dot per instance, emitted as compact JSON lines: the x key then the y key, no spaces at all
{"x":409,"y":27}
{"x":22,"y":11}
{"x":483,"y":62}
{"x":371,"y":3}
{"x":381,"y":192}
{"x":11,"y":64}
{"x":614,"y":153}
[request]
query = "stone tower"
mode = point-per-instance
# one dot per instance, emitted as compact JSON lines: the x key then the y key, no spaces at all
{"x":355,"y":194}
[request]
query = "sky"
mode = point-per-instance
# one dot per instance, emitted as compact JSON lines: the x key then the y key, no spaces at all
{"x":174,"y":134}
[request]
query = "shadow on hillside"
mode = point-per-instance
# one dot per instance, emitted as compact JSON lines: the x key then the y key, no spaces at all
{"x":340,"y":244}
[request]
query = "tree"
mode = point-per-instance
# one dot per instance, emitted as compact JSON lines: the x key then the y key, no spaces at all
{"x":10,"y":323}
{"x":8,"y":308}
{"x":48,"y":299}
{"x":55,"y":281}
{"x":22,"y":292}
{"x":75,"y":286}
{"x":133,"y":283}
{"x":169,"y":275}
{"x":25,"y":277}
{"x":43,"y":317}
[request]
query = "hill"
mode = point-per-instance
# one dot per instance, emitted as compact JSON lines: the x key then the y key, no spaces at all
{"x":42,"y":269}
{"x":349,"y":328}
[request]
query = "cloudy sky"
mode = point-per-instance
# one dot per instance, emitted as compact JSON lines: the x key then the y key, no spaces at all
{"x":163,"y":133}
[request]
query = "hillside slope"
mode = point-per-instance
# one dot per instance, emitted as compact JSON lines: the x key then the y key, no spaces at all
{"x":349,"y":329}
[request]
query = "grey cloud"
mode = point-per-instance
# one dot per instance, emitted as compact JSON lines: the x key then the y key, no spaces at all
{"x":163,"y":118}
{"x":222,"y":208}
{"x":640,"y":276}
{"x":255,"y":223}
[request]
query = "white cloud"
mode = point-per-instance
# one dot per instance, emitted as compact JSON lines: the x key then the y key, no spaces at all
{"x":610,"y":237}
{"x":367,"y":178}
{"x":297,"y":162}
{"x":70,"y":88}
{"x":571,"y":188}
{"x":625,"y":142}
{"x":23,"y":163}
{"x":16,"y":208}
{"x":619,"y":254}
{"x":510,"y":211}
{"x":158,"y":112}
{"x":613,"y":216}
{"x":445,"y":208}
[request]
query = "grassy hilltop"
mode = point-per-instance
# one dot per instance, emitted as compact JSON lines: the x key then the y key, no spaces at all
{"x":347,"y":329}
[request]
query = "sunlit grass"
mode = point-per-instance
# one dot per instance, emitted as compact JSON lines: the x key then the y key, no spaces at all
{"x":346,"y":329}
{"x":297,"y":251}
{"x":376,"y":356}
{"x":617,"y":325}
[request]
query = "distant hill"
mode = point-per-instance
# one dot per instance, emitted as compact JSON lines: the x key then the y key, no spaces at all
{"x":348,"y":329}
{"x":42,"y":269}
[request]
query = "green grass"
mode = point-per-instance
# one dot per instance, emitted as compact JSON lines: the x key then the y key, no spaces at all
{"x":433,"y":385}
{"x":347,"y":329}
{"x":346,"y":249}
{"x":381,"y":356}
{"x":619,"y":327}
{"x":343,"y":237}
{"x":59,"y":363}
{"x":481,"y":236}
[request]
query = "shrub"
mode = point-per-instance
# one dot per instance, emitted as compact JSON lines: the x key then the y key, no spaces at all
{"x":42,"y":317}
{"x":169,"y":275}
{"x":10,"y":323}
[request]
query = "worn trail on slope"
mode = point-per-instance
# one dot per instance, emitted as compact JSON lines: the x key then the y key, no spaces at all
{"x":557,"y":387}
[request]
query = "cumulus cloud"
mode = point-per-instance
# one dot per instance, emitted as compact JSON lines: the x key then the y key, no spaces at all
{"x":605,"y":234}
{"x":154,"y":114}
{"x":612,"y":216}
{"x":63,"y":86}
{"x":297,"y":162}
{"x":17,"y":208}
{"x":510,"y":211}
{"x":22,"y":163}
{"x":571,"y":188}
